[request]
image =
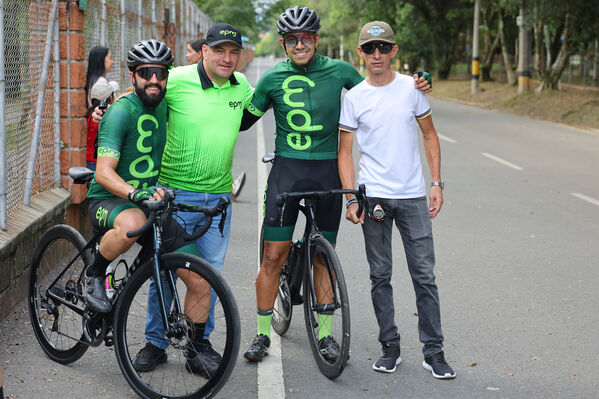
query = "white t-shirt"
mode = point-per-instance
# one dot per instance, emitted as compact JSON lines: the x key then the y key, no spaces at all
{"x":384,"y":119}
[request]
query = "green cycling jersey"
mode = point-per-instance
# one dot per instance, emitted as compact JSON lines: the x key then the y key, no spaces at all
{"x":134,"y":135}
{"x":306,"y":103}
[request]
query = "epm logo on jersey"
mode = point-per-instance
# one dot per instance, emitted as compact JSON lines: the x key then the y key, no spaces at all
{"x":235,"y":104}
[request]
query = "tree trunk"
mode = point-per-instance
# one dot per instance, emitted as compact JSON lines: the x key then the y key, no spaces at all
{"x":509,"y":68}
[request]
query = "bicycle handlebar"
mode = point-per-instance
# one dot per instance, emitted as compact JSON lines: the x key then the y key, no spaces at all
{"x":210,"y":212}
{"x":360,"y":194}
{"x":169,"y":196}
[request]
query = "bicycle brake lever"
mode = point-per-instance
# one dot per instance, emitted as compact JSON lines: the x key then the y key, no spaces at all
{"x":221,"y":224}
{"x":280,"y":214}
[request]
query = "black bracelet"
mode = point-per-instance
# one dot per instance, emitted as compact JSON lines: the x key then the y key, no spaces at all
{"x":130,"y":194}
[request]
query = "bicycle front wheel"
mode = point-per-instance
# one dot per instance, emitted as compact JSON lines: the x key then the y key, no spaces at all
{"x":326,"y":309}
{"x":176,"y":378}
{"x":56,"y":302}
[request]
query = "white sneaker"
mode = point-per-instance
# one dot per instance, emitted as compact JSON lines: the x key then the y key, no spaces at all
{"x":238,"y":185}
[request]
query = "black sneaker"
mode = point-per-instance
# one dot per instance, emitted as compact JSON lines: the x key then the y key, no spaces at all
{"x":149,"y":357}
{"x":389,"y":359}
{"x":437,"y":365}
{"x":329,"y":349}
{"x":258,"y":349}
{"x":95,"y":294}
{"x":202,"y":359}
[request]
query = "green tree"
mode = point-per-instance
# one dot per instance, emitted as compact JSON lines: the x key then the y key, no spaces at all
{"x":241,"y":13}
{"x":560,"y":29}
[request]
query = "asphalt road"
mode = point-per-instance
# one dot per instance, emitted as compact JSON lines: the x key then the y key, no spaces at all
{"x":517,"y":250}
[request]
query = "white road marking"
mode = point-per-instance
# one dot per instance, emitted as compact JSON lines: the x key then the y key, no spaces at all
{"x":586,"y":198}
{"x":442,"y":137}
{"x":270,"y":370}
{"x":501,"y":161}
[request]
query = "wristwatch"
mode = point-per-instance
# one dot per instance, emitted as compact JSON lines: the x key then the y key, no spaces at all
{"x":438,"y":183}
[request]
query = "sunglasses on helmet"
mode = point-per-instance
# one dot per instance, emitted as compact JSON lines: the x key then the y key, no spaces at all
{"x":292,"y":40}
{"x":384,"y":48}
{"x":147,"y":72}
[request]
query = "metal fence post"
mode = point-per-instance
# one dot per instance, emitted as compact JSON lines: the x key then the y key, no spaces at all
{"x":2,"y":124}
{"x":123,"y":49}
{"x":103,"y":25}
{"x":40,"y":105}
{"x":57,"y":145}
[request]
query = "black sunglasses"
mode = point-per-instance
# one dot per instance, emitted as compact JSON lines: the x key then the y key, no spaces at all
{"x":384,"y":48}
{"x":292,"y":40}
{"x":147,"y":72}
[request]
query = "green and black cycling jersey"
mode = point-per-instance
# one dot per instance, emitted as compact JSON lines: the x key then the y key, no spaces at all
{"x":306,"y":103}
{"x":134,"y":135}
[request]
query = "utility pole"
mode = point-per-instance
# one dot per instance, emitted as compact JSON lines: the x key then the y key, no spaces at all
{"x":523,"y":61}
{"x":341,"y":48}
{"x":475,"y":55}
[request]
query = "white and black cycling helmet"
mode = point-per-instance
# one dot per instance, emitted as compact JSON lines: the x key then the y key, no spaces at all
{"x":149,"y":52}
{"x":298,"y":19}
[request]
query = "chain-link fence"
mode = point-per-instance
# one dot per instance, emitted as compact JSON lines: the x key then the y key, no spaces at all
{"x":118,"y":24}
{"x":24,"y":30}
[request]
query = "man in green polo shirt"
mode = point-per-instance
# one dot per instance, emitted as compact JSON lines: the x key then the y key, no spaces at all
{"x":205,"y":106}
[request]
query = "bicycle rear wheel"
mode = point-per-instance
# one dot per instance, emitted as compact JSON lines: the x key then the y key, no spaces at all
{"x":282,"y":309}
{"x":172,"y":379}
{"x":58,"y":328}
{"x":329,"y":300}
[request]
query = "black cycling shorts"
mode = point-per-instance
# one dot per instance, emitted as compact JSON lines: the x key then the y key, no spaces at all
{"x":103,"y":212}
{"x":290,"y":174}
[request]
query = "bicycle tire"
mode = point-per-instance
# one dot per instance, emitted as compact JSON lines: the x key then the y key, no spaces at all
{"x":58,"y":328}
{"x":172,"y":380}
{"x":282,"y":310}
{"x":340,"y":324}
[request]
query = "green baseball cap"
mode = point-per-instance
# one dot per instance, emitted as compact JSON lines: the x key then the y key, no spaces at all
{"x":376,"y":31}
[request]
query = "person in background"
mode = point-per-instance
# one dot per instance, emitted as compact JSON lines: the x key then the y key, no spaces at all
{"x":101,"y":94}
{"x":99,"y":63}
{"x":384,"y":113}
{"x":194,"y":56}
{"x":194,"y":50}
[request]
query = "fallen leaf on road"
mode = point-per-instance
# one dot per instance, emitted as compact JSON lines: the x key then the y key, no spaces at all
{"x":510,"y":374}
{"x":473,"y":364}
{"x":492,"y":389}
{"x":534,"y":358}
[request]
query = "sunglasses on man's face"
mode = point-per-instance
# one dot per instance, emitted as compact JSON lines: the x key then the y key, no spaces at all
{"x":384,"y":48}
{"x":292,"y":40}
{"x":147,"y":72}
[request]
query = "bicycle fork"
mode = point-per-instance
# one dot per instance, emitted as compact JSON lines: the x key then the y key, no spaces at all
{"x":176,"y":331}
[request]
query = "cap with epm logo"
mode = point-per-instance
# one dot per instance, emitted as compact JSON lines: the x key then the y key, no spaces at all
{"x":376,"y":31}
{"x":223,"y":33}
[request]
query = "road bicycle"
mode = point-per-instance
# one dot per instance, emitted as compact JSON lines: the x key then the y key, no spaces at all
{"x":65,"y":327}
{"x":324,"y":290}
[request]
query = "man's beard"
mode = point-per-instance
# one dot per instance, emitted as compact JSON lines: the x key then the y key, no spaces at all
{"x":151,"y":101}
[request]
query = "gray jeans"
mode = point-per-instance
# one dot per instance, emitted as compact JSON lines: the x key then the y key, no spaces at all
{"x":414,"y":224}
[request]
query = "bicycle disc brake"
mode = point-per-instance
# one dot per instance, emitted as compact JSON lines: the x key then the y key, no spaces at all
{"x":180,"y":330}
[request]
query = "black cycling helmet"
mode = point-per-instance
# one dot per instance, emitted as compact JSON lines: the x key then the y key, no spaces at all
{"x":298,"y":19}
{"x":149,"y":52}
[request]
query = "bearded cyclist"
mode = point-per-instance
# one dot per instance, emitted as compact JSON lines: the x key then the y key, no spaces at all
{"x":131,"y":140}
{"x":305,"y":93}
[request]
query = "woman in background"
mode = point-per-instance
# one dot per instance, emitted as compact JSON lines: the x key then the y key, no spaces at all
{"x":99,"y":63}
{"x":194,"y":51}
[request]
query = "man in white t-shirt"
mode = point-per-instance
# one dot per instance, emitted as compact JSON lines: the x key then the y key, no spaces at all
{"x":384,"y":112}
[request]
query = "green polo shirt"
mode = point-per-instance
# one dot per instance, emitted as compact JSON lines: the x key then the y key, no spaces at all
{"x":203,"y":125}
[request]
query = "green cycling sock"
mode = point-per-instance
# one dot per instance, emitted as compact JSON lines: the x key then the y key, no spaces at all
{"x":264,"y":319}
{"x":325,"y":325}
